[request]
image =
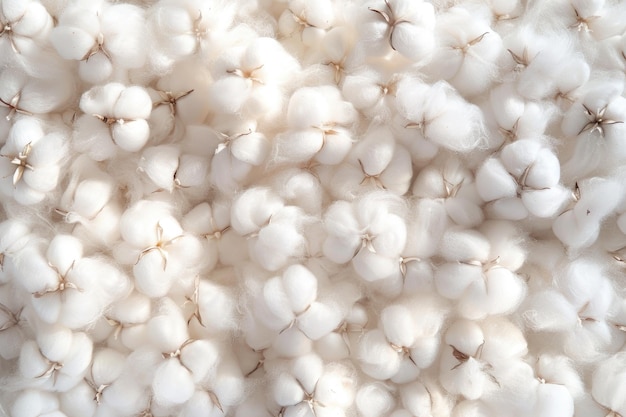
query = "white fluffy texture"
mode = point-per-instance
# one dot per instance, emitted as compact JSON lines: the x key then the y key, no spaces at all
{"x":324,"y":208}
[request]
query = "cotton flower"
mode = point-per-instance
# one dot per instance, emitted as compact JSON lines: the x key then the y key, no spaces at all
{"x":399,"y":25}
{"x":523,"y":181}
{"x":596,"y":123}
{"x":405,"y":342}
{"x":115,"y":119}
{"x":323,"y":135}
{"x":181,"y":29}
{"x":470,"y":51}
{"x":438,"y":114}
{"x":31,"y":161}
{"x":369,"y":232}
{"x":57,"y":360}
{"x":105,"y":38}
{"x":156,"y":246}
{"x":25,"y":26}
{"x":480,"y":270}
{"x":21,"y":94}
{"x":250,"y":80}
{"x":376,"y":162}
{"x":448,"y":180}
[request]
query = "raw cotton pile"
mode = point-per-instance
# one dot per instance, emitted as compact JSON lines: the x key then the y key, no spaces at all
{"x":312,"y":208}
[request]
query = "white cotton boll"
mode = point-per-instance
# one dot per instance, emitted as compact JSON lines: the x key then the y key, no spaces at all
{"x":319,"y":320}
{"x":373,"y":267}
{"x":216,"y":301}
{"x":464,"y":245}
{"x":300,"y":286}
{"x":374,"y":400}
{"x":252,"y":209}
{"x":398,"y":326}
{"x":291,"y":343}
{"x":452,"y":279}
{"x":550,"y":311}
{"x":79,"y":356}
{"x":332,"y":347}
{"x":95,"y":70}
{"x":494,"y":182}
{"x":376,"y":356}
{"x":63,"y":251}
{"x":160,"y":163}
{"x":307,"y":370}
{"x":201,"y":358}
{"x":192,"y":170}
{"x":79,"y":401}
{"x":574,"y":233}
{"x":463,"y":212}
{"x":172,"y":383}
{"x":545,"y":203}
{"x":252,"y":148}
{"x":599,"y":198}
{"x":168,"y":331}
{"x":414,"y":42}
{"x":517,"y":156}
{"x":560,"y":370}
{"x":93,"y":138}
{"x":134,"y":102}
{"x":511,"y":208}
{"x":229,"y":94}
{"x":465,"y":336}
{"x":286,"y":390}
{"x":34,"y":403}
{"x":300,"y":145}
{"x":273,"y":309}
{"x":150,"y":277}
{"x":456,"y":128}
{"x":308,"y":108}
{"x":553,"y":401}
{"x":607,"y":386}
{"x":31,"y":362}
{"x":336,"y":387}
{"x":55,"y":341}
{"x":416,"y":398}
{"x":131,"y":135}
{"x":107,"y":365}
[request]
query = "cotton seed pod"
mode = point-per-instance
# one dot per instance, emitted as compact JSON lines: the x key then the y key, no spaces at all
{"x":172,"y":384}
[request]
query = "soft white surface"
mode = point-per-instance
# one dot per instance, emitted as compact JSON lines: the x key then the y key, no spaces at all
{"x":312,"y":208}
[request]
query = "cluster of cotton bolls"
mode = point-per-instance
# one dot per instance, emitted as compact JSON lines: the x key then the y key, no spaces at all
{"x":281,"y":208}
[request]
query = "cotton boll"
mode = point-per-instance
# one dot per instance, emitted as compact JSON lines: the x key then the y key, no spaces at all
{"x":201,"y":358}
{"x":374,"y":400}
{"x":160,"y":163}
{"x":494,"y":182}
{"x":172,"y":383}
{"x":336,"y":388}
{"x":216,"y":301}
{"x":550,"y":311}
{"x":300,"y":116}
{"x":398,"y":325}
{"x":574,"y":233}
{"x":553,"y":401}
{"x":252,"y":209}
{"x":560,"y":370}
{"x":300,"y":286}
{"x":287,"y":391}
{"x":376,"y":356}
{"x":416,"y":398}
{"x":168,"y":330}
{"x":31,"y":362}
{"x":307,"y":370}
{"x":150,"y":277}
{"x":464,"y":245}
{"x":32,"y":403}
{"x":607,"y":387}
{"x":545,"y":203}
{"x":319,"y":320}
{"x":291,"y":343}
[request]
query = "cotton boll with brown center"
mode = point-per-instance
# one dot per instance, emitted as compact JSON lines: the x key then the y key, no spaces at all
{"x":376,"y":162}
{"x":115,"y":118}
{"x":323,"y":134}
{"x":31,"y":166}
{"x":236,"y":156}
{"x":439,"y":114}
{"x":596,"y":198}
{"x":468,"y":58}
{"x":371,"y":92}
{"x":399,"y":25}
{"x":32,"y":95}
{"x":252,"y":85}
{"x":184,"y":28}
{"x":597,"y":122}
